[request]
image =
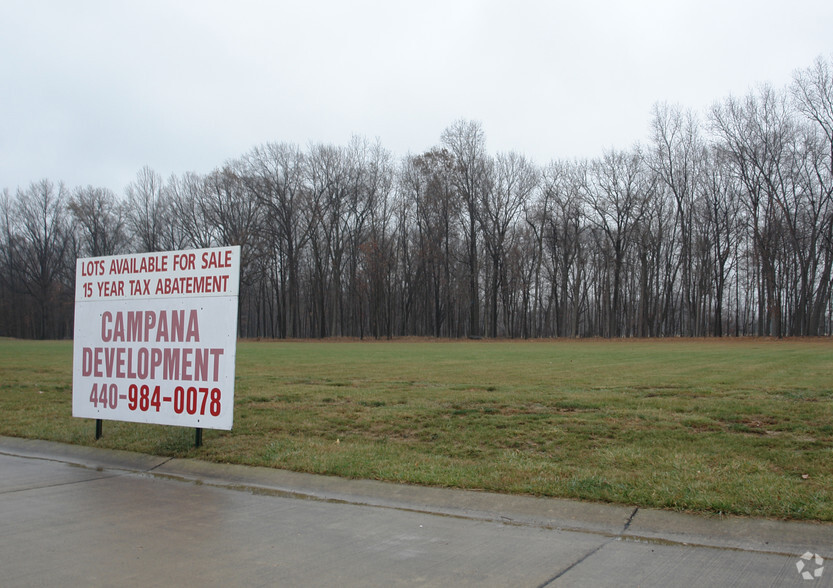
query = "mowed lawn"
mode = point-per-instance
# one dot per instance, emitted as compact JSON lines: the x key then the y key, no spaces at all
{"x":716,"y":426}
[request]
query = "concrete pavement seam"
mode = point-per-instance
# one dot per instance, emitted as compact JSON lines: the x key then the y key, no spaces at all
{"x":159,"y":465}
{"x":592,"y":551}
{"x":44,"y":486}
{"x":574,"y":564}
{"x":629,"y":521}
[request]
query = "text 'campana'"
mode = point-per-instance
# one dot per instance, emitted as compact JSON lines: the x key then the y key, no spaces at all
{"x":150,"y":325}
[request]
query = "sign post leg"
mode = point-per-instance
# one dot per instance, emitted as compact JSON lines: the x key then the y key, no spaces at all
{"x":198,"y":438}
{"x":98,"y":427}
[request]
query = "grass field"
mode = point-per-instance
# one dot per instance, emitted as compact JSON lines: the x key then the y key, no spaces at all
{"x":715,"y":426}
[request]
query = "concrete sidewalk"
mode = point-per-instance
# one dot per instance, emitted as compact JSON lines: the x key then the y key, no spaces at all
{"x":75,"y":516}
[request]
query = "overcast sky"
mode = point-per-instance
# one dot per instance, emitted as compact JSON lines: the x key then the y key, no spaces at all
{"x":91,"y":91}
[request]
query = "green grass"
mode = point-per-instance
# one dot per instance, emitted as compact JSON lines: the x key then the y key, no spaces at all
{"x":715,"y":426}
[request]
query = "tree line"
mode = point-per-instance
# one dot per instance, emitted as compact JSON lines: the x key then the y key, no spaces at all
{"x":722,"y":224}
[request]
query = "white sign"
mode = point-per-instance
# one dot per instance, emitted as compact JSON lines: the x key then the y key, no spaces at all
{"x":156,"y":337}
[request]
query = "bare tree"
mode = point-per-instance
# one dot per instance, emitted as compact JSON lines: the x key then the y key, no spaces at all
{"x":515,"y":178}
{"x":677,"y":160}
{"x":41,"y":214}
{"x":99,"y":218}
{"x":276,"y":175}
{"x":188,"y":199}
{"x":426,"y":184}
{"x":377,"y":238}
{"x":148,"y":213}
{"x":565,"y":224}
{"x":616,"y":193}
{"x":721,"y":225}
{"x":812,"y":92}
{"x":755,"y":134}
{"x":11,"y":279}
{"x":229,"y":209}
{"x":329,"y":182}
{"x":466,"y":142}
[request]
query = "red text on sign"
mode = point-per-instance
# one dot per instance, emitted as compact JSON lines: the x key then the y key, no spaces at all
{"x":93,"y":267}
{"x":216,"y":259}
{"x":147,"y":325}
{"x":173,"y":363}
{"x":184,"y":261}
{"x":107,"y":289}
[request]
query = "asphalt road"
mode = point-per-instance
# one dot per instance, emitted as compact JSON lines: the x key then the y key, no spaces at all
{"x":77,"y":516}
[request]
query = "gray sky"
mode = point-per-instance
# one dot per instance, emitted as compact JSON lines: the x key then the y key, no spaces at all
{"x":92,"y":91}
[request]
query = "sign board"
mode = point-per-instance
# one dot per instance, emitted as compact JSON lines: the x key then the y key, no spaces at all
{"x":156,"y":337}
